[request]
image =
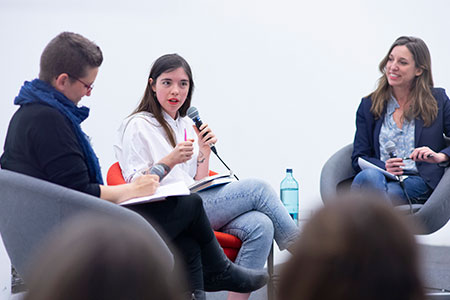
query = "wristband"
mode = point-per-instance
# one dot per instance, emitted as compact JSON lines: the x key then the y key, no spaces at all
{"x":166,"y":169}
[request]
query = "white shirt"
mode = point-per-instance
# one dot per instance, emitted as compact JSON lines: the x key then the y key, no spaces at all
{"x":142,"y":142}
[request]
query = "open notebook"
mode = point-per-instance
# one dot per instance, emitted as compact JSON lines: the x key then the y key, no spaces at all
{"x":211,"y":181}
{"x":172,"y":189}
{"x":180,"y":189}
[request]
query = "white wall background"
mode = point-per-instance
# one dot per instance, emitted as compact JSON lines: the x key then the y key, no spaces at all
{"x":278,"y":81}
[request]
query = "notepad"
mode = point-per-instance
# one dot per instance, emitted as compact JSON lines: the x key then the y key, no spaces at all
{"x":211,"y":181}
{"x":162,"y":192}
{"x":364,"y":164}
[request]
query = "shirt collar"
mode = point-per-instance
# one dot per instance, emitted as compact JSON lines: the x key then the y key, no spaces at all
{"x":392,"y":105}
{"x":170,"y":120}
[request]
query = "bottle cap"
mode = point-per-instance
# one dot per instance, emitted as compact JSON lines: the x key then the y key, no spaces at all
{"x":289,"y":170}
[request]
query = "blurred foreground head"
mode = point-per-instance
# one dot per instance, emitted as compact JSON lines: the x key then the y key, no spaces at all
{"x":356,"y":247}
{"x":101,"y":258}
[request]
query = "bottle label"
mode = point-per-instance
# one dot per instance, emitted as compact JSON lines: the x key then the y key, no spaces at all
{"x":289,"y":197}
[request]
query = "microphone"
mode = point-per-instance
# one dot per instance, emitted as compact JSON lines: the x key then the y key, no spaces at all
{"x":158,"y":170}
{"x":390,"y":149}
{"x":192,"y":113}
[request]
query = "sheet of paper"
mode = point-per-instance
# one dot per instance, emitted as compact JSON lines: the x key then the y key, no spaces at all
{"x":173,"y":189}
{"x":364,"y":164}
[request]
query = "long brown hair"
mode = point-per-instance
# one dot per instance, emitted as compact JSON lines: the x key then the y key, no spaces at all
{"x":150,"y":103}
{"x":423,"y":104}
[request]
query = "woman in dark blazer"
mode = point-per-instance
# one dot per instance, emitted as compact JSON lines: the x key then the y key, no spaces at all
{"x":400,"y":127}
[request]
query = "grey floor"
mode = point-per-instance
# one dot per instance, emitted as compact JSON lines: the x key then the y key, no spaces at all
{"x":435,"y":264}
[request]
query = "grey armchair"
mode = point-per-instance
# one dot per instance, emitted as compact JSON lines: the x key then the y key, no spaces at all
{"x":337,"y":174}
{"x":31,"y":208}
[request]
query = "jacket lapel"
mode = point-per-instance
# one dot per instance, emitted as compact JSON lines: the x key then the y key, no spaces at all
{"x":376,"y":132}
{"x":417,"y":131}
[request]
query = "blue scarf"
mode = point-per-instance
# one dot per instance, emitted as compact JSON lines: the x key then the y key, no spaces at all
{"x":38,"y":91}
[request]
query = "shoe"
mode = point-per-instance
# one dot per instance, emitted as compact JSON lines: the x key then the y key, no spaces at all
{"x":220,"y":274}
{"x":199,"y":295}
{"x":235,"y":278}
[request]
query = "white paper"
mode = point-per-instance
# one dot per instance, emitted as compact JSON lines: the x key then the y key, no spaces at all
{"x":173,"y":189}
{"x":364,"y":164}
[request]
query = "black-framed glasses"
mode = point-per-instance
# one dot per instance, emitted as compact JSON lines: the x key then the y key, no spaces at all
{"x":89,"y":87}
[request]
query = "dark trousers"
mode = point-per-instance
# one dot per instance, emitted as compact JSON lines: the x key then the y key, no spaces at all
{"x":182,"y":222}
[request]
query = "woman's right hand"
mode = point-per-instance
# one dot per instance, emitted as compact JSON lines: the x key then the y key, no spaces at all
{"x":181,"y":153}
{"x":145,"y":185}
{"x":394,"y":166}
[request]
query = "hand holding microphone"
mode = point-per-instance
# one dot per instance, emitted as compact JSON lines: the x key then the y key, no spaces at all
{"x":206,"y":137}
{"x":394,"y":164}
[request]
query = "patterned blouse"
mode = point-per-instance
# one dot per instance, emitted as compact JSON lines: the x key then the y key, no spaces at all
{"x":403,"y":138}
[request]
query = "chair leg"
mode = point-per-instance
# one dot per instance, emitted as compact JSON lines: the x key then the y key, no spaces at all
{"x":270,"y":283}
{"x":17,"y":283}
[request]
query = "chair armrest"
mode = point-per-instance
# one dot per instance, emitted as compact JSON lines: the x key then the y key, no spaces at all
{"x":435,"y":213}
{"x":335,"y":170}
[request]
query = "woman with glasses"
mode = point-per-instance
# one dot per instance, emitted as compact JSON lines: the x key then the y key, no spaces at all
{"x":45,"y":140}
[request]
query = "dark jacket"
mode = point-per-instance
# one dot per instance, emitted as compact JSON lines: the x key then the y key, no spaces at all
{"x":41,"y":143}
{"x":366,"y":143}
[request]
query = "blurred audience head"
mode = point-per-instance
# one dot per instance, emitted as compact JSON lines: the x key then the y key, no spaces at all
{"x":355,"y":247}
{"x":101,"y":258}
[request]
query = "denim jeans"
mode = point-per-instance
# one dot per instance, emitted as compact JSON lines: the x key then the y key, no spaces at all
{"x":418,"y":191}
{"x":251,"y":210}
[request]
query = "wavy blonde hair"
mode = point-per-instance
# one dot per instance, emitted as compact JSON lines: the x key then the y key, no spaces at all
{"x":423,"y":104}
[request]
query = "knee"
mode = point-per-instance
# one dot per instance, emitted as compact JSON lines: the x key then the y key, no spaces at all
{"x":195,"y":200}
{"x":260,"y":187}
{"x":256,"y":182}
{"x":191,"y":204}
{"x":260,"y":227}
{"x":369,"y":176}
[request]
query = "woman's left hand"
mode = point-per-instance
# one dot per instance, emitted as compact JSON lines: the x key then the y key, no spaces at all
{"x":427,"y":155}
{"x":205,"y":137}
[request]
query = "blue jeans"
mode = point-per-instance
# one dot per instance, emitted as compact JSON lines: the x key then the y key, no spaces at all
{"x":251,"y":210}
{"x":418,"y":191}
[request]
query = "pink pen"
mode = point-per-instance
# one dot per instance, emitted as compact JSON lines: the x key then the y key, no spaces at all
{"x":185,"y":135}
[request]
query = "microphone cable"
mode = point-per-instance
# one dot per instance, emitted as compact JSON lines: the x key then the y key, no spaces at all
{"x":402,"y":185}
{"x":231,"y":172}
{"x":192,"y":113}
{"x":390,"y":149}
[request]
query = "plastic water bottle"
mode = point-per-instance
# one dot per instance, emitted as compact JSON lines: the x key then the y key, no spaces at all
{"x":289,"y":194}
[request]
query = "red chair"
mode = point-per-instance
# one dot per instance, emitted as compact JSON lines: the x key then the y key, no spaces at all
{"x":229,"y":243}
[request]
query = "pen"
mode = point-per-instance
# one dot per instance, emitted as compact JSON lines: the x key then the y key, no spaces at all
{"x":428,"y":156}
{"x":185,"y":135}
{"x":141,"y":171}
